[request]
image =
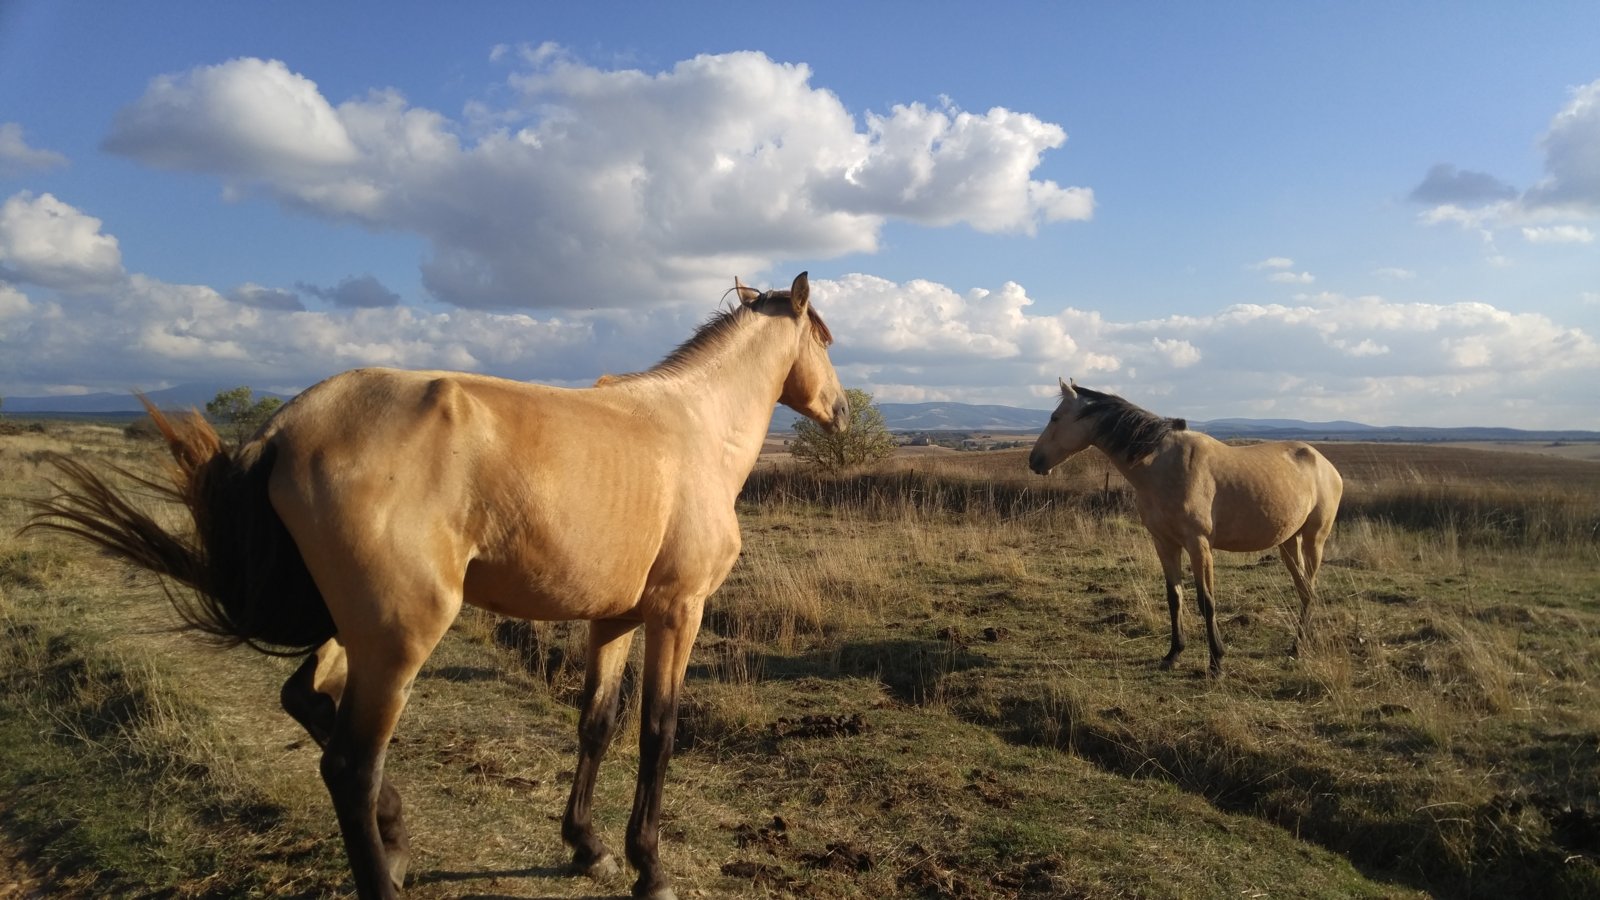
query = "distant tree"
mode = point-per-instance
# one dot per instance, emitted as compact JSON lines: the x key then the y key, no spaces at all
{"x":240,"y":413}
{"x":866,"y":440}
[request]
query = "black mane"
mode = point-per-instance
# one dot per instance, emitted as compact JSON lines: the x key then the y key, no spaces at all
{"x":1122,"y":429}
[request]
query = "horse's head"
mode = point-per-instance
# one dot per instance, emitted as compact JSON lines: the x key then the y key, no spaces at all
{"x":811,"y":387}
{"x":1067,"y":433}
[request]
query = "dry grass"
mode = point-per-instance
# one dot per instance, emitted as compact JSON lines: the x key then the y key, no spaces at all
{"x":936,"y":678}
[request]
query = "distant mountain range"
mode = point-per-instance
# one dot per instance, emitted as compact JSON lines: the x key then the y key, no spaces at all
{"x":969,"y":417}
{"x":116,"y":403}
{"x":901,"y":417}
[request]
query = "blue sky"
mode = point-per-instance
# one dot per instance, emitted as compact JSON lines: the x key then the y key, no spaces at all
{"x":1380,"y":212}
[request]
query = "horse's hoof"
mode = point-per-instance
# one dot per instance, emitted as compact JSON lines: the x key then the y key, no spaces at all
{"x":604,"y":868}
{"x":660,"y":893}
{"x":1167,"y":663}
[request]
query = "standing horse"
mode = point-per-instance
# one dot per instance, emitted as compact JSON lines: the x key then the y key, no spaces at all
{"x":361,"y":517}
{"x":1195,"y":493}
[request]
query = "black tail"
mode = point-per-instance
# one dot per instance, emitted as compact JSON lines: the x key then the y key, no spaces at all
{"x":250,"y":584}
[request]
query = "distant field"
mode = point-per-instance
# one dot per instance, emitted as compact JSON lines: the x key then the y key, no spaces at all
{"x":935,"y":678}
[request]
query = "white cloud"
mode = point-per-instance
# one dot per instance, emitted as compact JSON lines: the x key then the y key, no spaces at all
{"x":17,"y":158}
{"x":1292,"y":277}
{"x":1558,"y":234}
{"x":47,"y":242}
{"x":248,"y":118}
{"x":1395,"y":272}
{"x":604,"y":188}
{"x":1572,"y":155}
{"x":1274,"y":262}
{"x":1570,"y":186}
{"x":1329,"y":356}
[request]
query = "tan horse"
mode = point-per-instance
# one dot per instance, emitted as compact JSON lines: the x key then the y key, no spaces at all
{"x":371,"y":507}
{"x":1196,"y":494}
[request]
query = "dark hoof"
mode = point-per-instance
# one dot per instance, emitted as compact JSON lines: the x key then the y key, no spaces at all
{"x":1168,"y":662}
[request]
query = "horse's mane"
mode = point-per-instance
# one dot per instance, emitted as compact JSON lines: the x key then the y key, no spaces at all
{"x":716,"y":329}
{"x":1122,"y":429}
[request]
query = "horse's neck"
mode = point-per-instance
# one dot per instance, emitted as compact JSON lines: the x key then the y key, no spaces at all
{"x":730,"y":390}
{"x":1138,"y":470}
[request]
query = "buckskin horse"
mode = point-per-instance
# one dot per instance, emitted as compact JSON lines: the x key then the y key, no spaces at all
{"x":361,"y":517}
{"x":1197,"y":494}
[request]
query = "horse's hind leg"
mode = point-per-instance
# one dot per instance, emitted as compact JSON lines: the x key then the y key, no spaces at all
{"x":383,"y":664}
{"x":311,"y":697}
{"x":1171,"y":556}
{"x":1290,"y":551}
{"x":602,"y":691}
{"x":1200,"y":561}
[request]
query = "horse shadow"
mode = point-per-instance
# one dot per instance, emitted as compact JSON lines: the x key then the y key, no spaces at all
{"x":550,"y":872}
{"x":910,"y":669}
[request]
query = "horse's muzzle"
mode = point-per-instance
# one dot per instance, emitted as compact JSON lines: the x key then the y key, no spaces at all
{"x":1037,"y":463}
{"x":841,"y":416}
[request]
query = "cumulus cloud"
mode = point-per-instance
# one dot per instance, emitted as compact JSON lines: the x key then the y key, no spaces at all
{"x":17,"y":158}
{"x":1569,"y":187}
{"x":603,"y":188}
{"x":1328,"y":356}
{"x":1558,"y":234}
{"x":1292,"y":277}
{"x":47,"y":242}
{"x":1445,"y":185}
{"x":1572,"y":155}
{"x":250,"y":294}
{"x":362,"y":292}
{"x":251,"y":118}
{"x":1395,"y":272}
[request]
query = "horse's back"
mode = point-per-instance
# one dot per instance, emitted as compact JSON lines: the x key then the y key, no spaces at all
{"x":1257,"y":495}
{"x":540,"y":502}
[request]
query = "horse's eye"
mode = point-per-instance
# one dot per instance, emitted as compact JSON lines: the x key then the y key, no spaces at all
{"x":1054,"y":416}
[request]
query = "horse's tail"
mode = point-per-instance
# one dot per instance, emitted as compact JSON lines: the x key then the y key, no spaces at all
{"x":250,"y":583}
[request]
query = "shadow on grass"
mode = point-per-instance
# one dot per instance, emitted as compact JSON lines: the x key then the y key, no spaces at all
{"x":910,"y":669}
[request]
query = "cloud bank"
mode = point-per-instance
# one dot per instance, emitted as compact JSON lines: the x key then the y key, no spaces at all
{"x":73,"y":320}
{"x":604,"y":188}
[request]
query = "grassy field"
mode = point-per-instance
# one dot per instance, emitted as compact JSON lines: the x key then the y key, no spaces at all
{"x":932,"y":679}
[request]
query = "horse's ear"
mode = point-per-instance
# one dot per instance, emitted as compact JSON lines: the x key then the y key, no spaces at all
{"x":1179,"y":424}
{"x":1068,"y":390}
{"x":747,"y":295}
{"x":800,"y":294}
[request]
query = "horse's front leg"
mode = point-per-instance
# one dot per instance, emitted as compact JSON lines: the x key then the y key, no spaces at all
{"x":311,"y":697}
{"x":668,"y":641}
{"x":1171,"y":556}
{"x":602,"y":692}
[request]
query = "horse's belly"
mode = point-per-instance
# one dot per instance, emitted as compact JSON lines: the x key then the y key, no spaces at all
{"x":601,"y":592}
{"x":1250,"y":528}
